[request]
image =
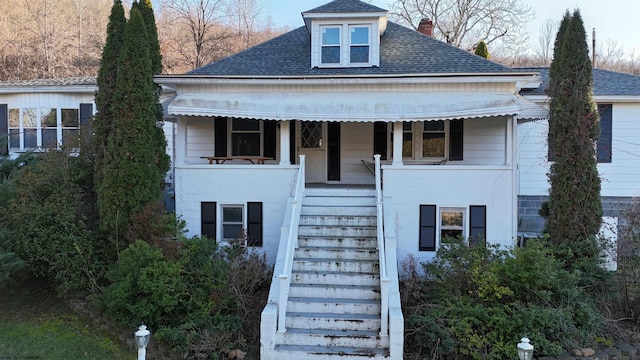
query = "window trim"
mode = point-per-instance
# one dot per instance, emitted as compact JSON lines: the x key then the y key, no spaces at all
{"x":441,"y":227}
{"x":417,"y":131}
{"x":345,"y":43}
{"x":231,"y":132}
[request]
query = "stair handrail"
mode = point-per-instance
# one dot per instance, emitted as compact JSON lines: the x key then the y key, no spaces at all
{"x":384,"y":278}
{"x":292,"y":244}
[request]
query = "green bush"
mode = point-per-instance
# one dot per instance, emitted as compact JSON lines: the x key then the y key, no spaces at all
{"x":205,"y":300}
{"x":476,"y":303}
{"x":49,"y":215}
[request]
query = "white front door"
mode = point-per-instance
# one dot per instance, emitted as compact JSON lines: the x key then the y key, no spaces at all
{"x":312,"y":140}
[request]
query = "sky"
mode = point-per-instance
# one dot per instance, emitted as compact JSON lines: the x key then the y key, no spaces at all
{"x":613,"y":19}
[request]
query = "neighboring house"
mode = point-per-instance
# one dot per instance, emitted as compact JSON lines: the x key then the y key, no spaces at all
{"x":279,"y":141}
{"x":44,"y":113}
{"x":617,"y":96}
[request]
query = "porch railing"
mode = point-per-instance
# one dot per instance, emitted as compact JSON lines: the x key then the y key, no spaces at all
{"x":384,"y":279}
{"x":292,"y":244}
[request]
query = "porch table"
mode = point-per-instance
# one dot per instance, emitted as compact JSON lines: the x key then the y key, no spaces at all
{"x":217,"y":159}
{"x":257,"y":159}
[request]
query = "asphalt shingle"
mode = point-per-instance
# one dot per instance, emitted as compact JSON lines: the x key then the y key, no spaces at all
{"x":605,"y":83}
{"x":345,"y":6}
{"x":403,"y":51}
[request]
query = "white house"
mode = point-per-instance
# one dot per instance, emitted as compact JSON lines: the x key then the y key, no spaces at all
{"x":279,"y":140}
{"x":44,"y":113}
{"x":618,"y":99}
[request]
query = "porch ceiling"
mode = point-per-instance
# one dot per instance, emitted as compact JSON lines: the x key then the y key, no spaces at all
{"x":346,"y":106}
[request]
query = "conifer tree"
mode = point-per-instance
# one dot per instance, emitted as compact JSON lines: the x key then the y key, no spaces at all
{"x":132,"y":171}
{"x":103,"y":121}
{"x":574,"y":211}
{"x":146,"y":9}
{"x":482,"y":50}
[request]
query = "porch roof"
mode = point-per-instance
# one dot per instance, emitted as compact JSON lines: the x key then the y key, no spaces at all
{"x":346,"y":106}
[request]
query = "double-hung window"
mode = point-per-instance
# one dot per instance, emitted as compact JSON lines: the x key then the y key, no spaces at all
{"x":345,"y":45}
{"x":451,"y":224}
{"x":232,"y":222}
{"x":246,"y":139}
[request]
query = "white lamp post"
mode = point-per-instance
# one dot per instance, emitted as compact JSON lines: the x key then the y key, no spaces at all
{"x":525,"y":349}
{"x":142,"y":340}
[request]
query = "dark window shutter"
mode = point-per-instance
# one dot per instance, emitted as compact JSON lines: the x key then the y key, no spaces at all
{"x":220,"y":128}
{"x":606,"y":133}
{"x":333,"y":149}
{"x":269,"y":138}
{"x":427,"y":228}
{"x":292,"y":141}
{"x":254,"y":223}
{"x":478,"y":224}
{"x":208,"y":219}
{"x":380,"y":139}
{"x":86,"y":113}
{"x":4,"y":129}
{"x":456,"y":140}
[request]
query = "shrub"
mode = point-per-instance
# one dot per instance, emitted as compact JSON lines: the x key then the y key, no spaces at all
{"x":204,"y":301}
{"x":476,"y":302}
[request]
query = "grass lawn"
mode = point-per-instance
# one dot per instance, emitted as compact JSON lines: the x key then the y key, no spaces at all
{"x":35,"y":324}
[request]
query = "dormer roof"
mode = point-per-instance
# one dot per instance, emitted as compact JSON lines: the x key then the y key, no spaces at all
{"x":346,"y":9}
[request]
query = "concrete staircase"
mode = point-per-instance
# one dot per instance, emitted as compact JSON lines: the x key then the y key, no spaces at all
{"x":333,"y":310}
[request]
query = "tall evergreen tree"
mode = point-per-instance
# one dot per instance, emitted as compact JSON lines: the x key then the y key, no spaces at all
{"x":132,"y":170}
{"x":103,"y":121}
{"x":574,"y":210}
{"x":146,"y":9}
{"x":482,"y":50}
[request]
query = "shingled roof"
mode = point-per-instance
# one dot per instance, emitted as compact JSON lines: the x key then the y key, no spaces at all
{"x":403,"y":51}
{"x":87,"y":80}
{"x":605,"y":83}
{"x":345,"y":6}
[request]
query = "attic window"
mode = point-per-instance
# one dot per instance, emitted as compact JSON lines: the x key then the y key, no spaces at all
{"x":344,"y":45}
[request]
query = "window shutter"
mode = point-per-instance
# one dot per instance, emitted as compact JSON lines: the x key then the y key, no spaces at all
{"x":427,"y":228}
{"x":269,"y":139}
{"x":254,"y":223}
{"x":4,"y":129}
{"x":292,"y":141}
{"x":478,"y":224}
{"x":220,"y":129}
{"x":208,"y":219}
{"x":333,"y":151}
{"x":606,"y":132}
{"x":380,"y":139}
{"x":455,"y":140}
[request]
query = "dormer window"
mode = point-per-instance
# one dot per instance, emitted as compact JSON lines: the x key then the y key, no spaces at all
{"x":348,"y":44}
{"x":359,"y":44}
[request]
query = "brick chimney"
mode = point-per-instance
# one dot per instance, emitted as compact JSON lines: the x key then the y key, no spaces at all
{"x":426,"y":27}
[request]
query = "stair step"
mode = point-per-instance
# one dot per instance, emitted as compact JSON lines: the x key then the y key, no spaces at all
{"x":338,"y":241}
{"x":338,"y":220}
{"x":331,"y":252}
{"x":336,"y":265}
{"x":351,"y":291}
{"x":327,"y":337}
{"x":338,"y":201}
{"x":333,"y":305}
{"x":308,"y":352}
{"x":367,"y":322}
{"x":340,"y":278}
{"x":323,"y":210}
{"x":350,"y":231}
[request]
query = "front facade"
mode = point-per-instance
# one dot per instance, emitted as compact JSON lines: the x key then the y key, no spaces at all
{"x":275,"y":146}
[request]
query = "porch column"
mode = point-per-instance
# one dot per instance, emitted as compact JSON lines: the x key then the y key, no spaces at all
{"x":397,"y":143}
{"x":285,"y":143}
{"x":509,"y":141}
{"x":180,"y":144}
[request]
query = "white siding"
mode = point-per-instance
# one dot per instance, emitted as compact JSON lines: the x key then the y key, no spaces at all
{"x":619,"y":178}
{"x":485,"y":141}
{"x":410,"y":187}
{"x":200,"y":139}
{"x":236,"y":185}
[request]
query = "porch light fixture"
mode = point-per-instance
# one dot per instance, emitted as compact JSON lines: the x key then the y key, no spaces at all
{"x":525,"y":349}
{"x":142,"y":340}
